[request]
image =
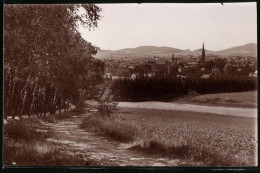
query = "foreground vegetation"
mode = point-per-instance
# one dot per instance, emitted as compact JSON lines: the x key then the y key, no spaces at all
{"x":25,"y":144}
{"x":212,"y":140}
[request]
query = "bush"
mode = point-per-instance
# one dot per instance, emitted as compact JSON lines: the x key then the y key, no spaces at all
{"x":116,"y":130}
{"x":22,"y":130}
{"x":107,"y":109}
{"x":192,"y":93}
{"x":107,"y":104}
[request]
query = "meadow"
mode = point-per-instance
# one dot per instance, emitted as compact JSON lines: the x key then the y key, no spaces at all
{"x":199,"y":139}
{"x":239,"y":99}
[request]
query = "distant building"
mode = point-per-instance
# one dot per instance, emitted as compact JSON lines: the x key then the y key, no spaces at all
{"x":174,"y":60}
{"x":253,"y":74}
{"x":205,"y":76}
{"x":135,"y":75}
{"x":203,"y":54}
{"x":161,"y":66}
{"x":150,"y":74}
{"x":181,"y":76}
{"x":108,"y":75}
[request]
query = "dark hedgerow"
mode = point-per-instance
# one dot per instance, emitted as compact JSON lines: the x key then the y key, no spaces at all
{"x":168,"y":88}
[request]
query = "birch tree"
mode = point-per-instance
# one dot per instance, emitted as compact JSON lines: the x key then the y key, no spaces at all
{"x":46,"y":61}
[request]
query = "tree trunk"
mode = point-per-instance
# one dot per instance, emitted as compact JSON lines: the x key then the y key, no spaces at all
{"x":61,"y":100}
{"x":34,"y":96}
{"x":53,"y":104}
{"x":68,"y":106}
{"x":7,"y":97}
{"x":25,"y":94}
{"x":44,"y":100}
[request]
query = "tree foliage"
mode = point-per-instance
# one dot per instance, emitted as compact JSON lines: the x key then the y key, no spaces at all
{"x":47,"y":64}
{"x":166,"y":88}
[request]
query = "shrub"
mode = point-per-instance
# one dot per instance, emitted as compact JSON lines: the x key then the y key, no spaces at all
{"x":116,"y":130}
{"x":192,"y":93}
{"x":22,"y":130}
{"x":107,"y":104}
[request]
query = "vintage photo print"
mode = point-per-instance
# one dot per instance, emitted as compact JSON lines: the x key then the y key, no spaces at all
{"x":150,"y":85}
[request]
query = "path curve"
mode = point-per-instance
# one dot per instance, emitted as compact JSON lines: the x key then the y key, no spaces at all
{"x":231,"y":111}
{"x":70,"y":138}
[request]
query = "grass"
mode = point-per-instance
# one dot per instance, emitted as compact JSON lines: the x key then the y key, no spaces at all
{"x":239,"y":99}
{"x":118,"y":130}
{"x":37,"y":154}
{"x":25,"y":144}
{"x":212,"y":140}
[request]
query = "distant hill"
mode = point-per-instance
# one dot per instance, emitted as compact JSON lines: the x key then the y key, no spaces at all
{"x":249,"y":49}
{"x":151,"y":49}
{"x":244,"y":50}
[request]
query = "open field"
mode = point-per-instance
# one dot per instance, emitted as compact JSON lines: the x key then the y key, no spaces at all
{"x":210,"y":139}
{"x":221,"y":110}
{"x":232,"y":139}
{"x":238,"y":99}
{"x":132,"y":137}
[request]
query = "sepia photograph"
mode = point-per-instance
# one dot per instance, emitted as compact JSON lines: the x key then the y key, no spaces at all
{"x":130,"y":84}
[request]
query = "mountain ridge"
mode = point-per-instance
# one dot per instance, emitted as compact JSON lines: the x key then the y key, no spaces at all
{"x":249,"y":49}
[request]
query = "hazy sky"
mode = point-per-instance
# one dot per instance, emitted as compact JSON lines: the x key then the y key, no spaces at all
{"x":183,"y":26}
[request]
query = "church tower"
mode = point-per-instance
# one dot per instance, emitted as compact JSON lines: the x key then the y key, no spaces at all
{"x":203,"y":54}
{"x":173,"y":57}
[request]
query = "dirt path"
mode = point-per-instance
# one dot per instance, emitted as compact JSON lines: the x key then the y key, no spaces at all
{"x":231,"y":111}
{"x":70,"y":138}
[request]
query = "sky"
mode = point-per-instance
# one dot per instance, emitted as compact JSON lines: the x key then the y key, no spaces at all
{"x":183,"y":26}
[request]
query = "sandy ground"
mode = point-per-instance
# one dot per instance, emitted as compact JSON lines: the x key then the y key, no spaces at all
{"x":231,"y":111}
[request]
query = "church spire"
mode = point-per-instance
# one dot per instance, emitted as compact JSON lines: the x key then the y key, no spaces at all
{"x":203,"y":54}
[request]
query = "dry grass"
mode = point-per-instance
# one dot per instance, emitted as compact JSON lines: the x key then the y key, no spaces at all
{"x":37,"y":154}
{"x":25,"y":145}
{"x":25,"y":130}
{"x":214,"y":140}
{"x":116,"y":129}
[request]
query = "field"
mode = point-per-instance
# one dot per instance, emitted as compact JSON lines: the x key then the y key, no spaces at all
{"x":146,"y":136}
{"x":239,"y":99}
{"x":198,"y":139}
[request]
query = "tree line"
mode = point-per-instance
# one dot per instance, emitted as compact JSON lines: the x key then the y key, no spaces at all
{"x":167,"y":87}
{"x":47,"y":64}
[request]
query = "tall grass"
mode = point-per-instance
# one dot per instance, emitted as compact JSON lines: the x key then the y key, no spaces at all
{"x":39,"y":153}
{"x":25,"y":145}
{"x":117,"y":130}
{"x":190,"y":153}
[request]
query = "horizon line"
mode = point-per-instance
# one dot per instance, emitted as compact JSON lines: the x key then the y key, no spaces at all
{"x":174,"y":47}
